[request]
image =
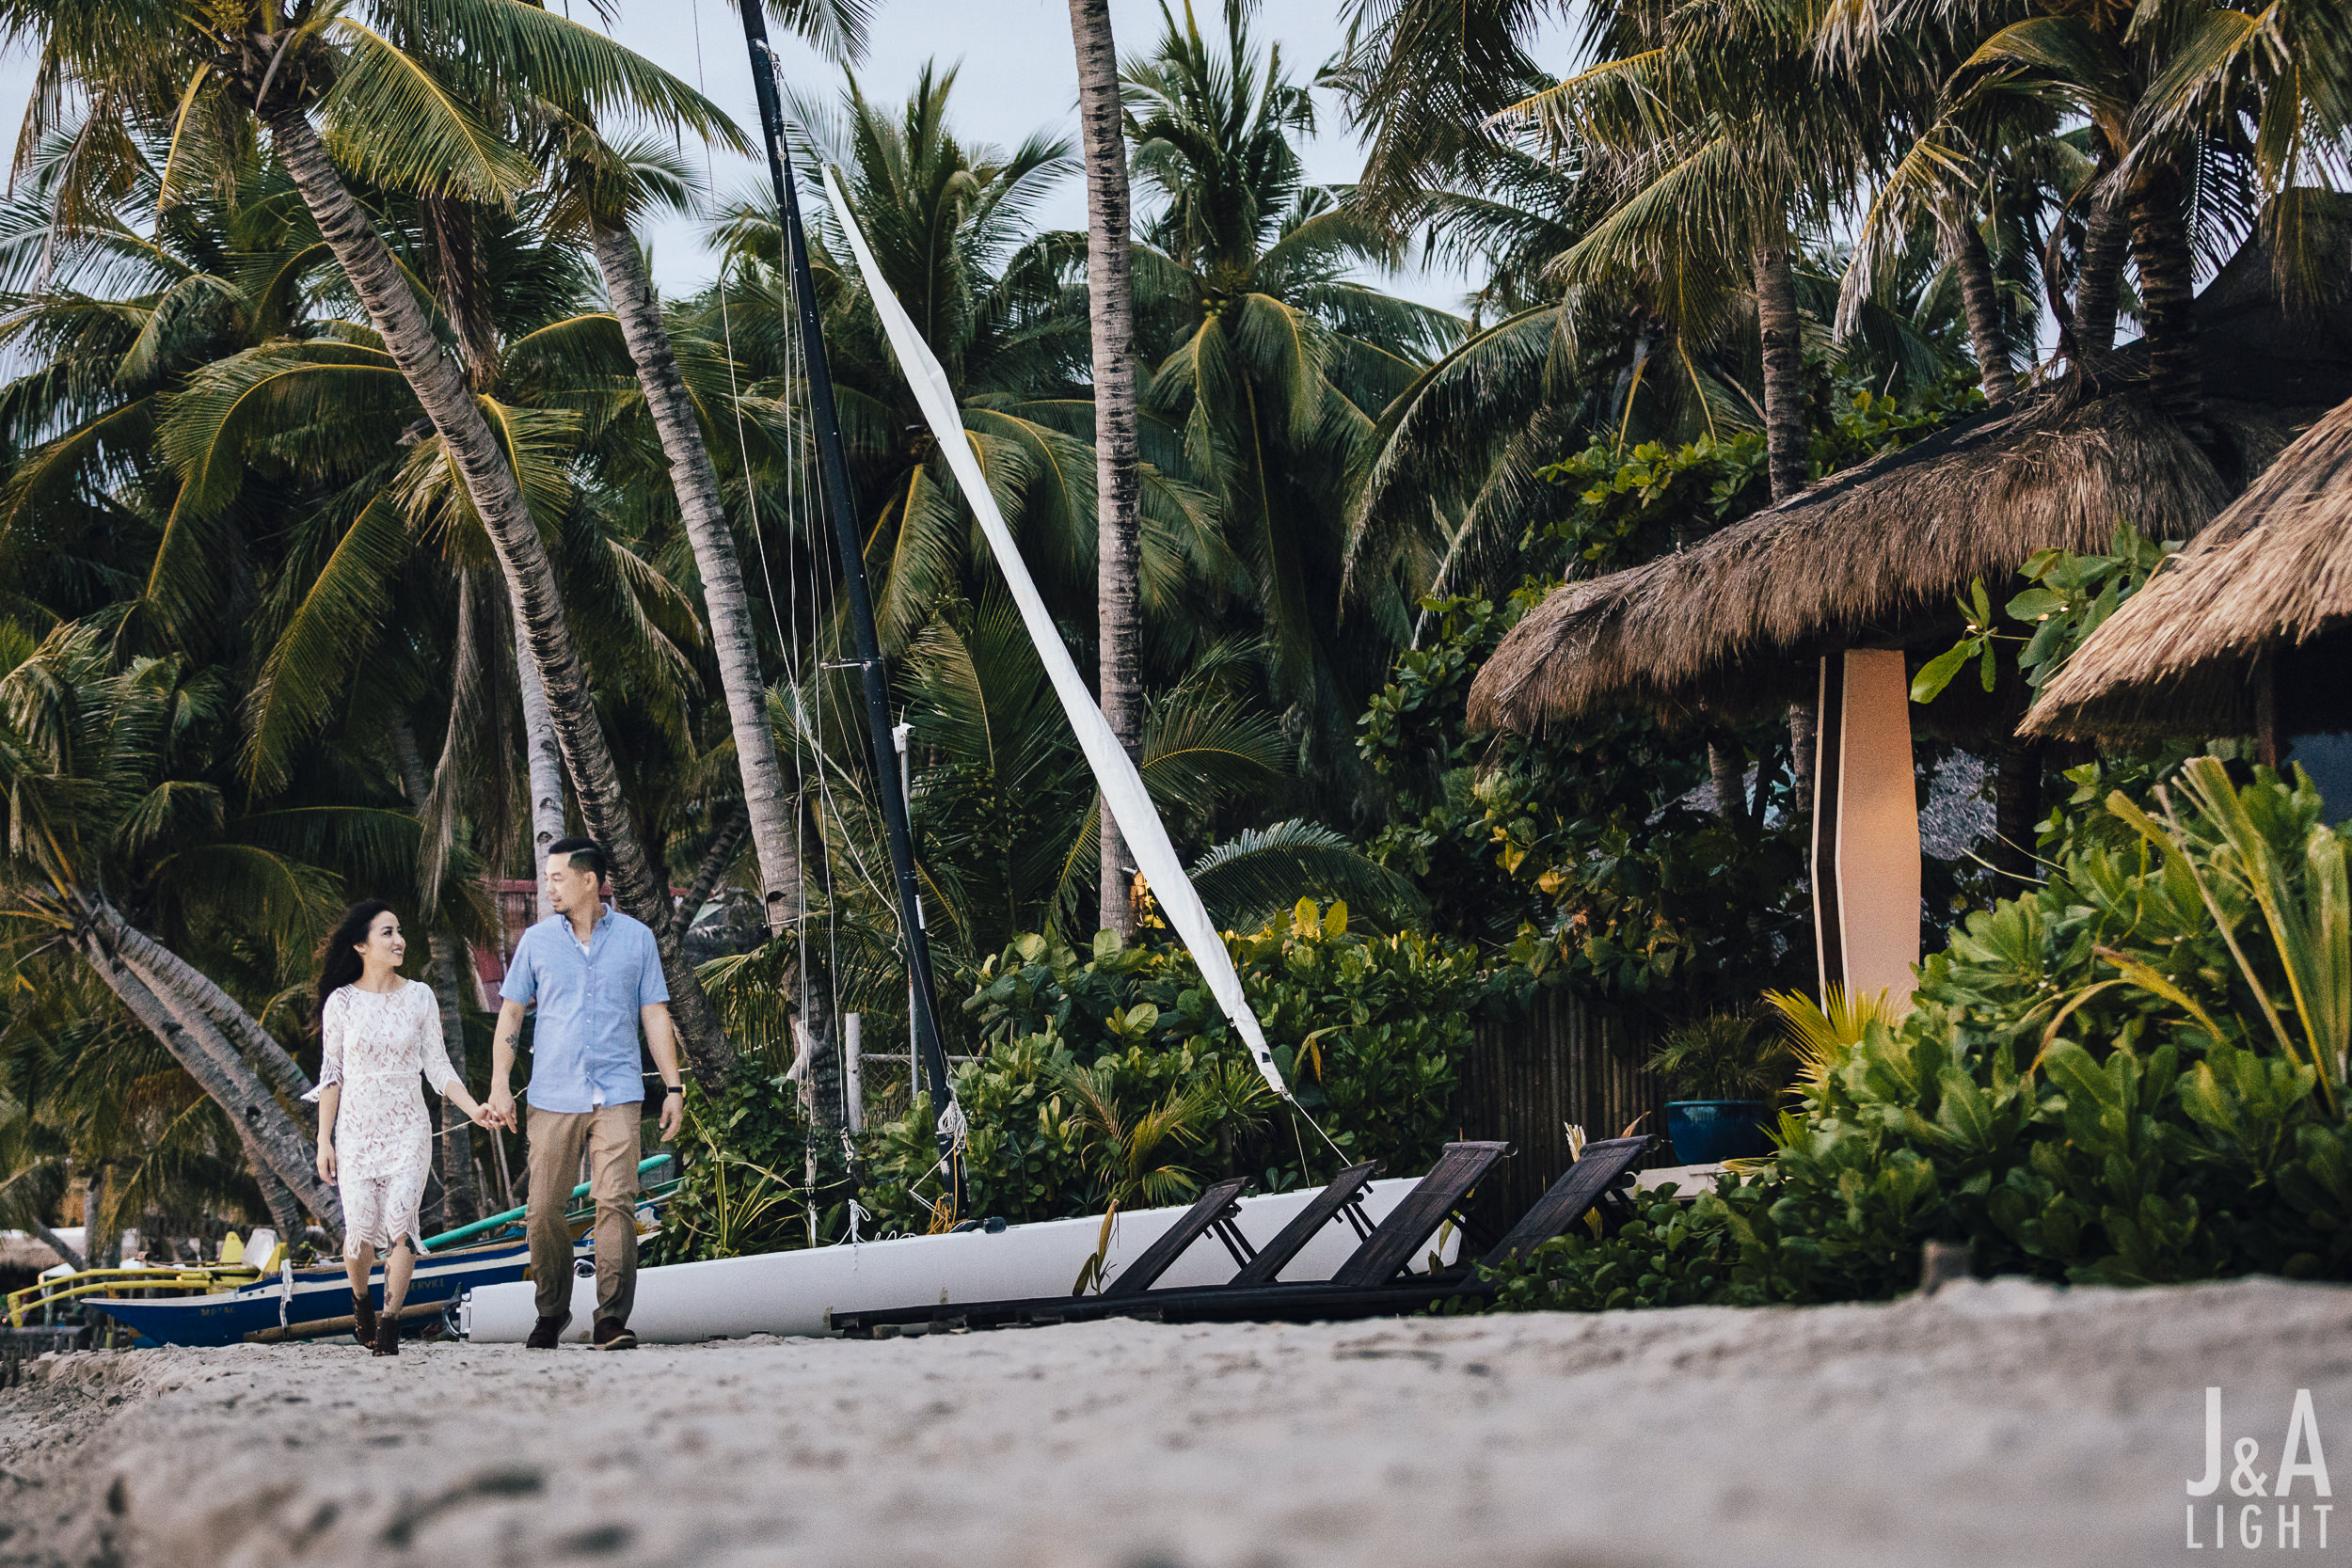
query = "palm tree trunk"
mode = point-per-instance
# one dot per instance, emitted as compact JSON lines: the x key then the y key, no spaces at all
{"x":169,"y":974}
{"x":1730,"y":781}
{"x":2167,"y":285}
{"x":56,"y":1243}
{"x":274,"y":1147}
{"x":813,"y":975}
{"x":1783,"y":333}
{"x":2099,"y":283}
{"x":765,"y":796}
{"x":444,"y":965}
{"x":545,"y":756}
{"x":725,"y":843}
{"x":1980,"y":298}
{"x":1803,"y":731}
{"x":97,"y":1236}
{"x":498,"y":500}
{"x":1111,"y":313}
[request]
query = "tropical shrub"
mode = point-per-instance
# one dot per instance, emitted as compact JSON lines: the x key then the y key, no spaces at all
{"x":1669,"y":1254}
{"x":1113,"y":1075}
{"x":1575,"y":850}
{"x":2132,"y":1075}
{"x":2071,"y":593}
{"x":742,"y":1174}
{"x":1722,"y":1056}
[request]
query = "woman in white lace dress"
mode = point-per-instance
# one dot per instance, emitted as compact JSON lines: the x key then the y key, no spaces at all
{"x":381,"y":1040}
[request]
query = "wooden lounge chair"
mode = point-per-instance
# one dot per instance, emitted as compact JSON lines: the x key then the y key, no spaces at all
{"x":1370,"y":1284}
{"x":1342,"y":1198}
{"x":1212,"y":1213}
{"x":1383,"y":1251}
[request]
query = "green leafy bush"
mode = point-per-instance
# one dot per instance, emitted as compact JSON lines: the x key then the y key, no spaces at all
{"x":1572,"y":851}
{"x":1080,"y":1052}
{"x":1669,"y":1254}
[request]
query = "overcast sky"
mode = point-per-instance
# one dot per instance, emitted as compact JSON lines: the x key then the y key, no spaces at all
{"x":1018,"y":76}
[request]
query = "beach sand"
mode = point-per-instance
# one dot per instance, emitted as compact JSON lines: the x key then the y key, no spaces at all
{"x":2000,"y":1424}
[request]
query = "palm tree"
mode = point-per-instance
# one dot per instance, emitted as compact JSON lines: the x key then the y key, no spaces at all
{"x":947,"y":221}
{"x":2100,"y":61}
{"x":85,"y":1093}
{"x":1006,"y":815}
{"x":605,"y":188}
{"x":1274,"y":363}
{"x":97,"y":762}
{"x":1111,"y":314}
{"x":2281,"y":81}
{"x":444,"y":965}
{"x":407,"y":119}
{"x":1715,"y":135}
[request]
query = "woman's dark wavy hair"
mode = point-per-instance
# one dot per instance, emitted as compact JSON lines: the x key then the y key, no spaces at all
{"x":339,"y":959}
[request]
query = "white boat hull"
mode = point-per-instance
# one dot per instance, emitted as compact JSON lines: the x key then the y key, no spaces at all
{"x":797,"y":1293}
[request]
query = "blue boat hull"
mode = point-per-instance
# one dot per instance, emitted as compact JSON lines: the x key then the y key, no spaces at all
{"x":319,"y":1293}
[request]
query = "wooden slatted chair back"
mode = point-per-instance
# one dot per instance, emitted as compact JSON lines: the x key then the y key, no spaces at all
{"x":1580,"y":1187}
{"x":1397,"y":1239}
{"x":1343,"y":1189}
{"x":1215,"y":1204}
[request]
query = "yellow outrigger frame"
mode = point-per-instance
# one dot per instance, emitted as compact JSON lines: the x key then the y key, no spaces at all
{"x":207,"y":1278}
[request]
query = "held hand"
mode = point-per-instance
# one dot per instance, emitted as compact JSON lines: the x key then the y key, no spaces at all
{"x":482,"y":1116}
{"x":326,"y":1159}
{"x":672,"y":1114}
{"x":501,"y":1107}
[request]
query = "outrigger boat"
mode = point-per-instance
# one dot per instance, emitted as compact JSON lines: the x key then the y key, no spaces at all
{"x":222,"y":1304}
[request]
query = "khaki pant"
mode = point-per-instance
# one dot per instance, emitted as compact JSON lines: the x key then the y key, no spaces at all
{"x":608,"y":1134}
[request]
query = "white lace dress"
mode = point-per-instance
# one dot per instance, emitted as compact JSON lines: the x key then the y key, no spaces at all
{"x":383,"y":1049}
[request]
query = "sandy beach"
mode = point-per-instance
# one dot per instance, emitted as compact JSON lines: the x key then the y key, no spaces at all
{"x":1992,"y":1423}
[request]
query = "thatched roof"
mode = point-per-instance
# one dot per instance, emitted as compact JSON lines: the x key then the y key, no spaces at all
{"x":2273,"y":571}
{"x":1876,"y":555}
{"x":1860,"y":558}
{"x":20,"y":1251}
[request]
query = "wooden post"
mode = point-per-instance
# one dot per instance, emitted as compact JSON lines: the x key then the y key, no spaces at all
{"x":853,"y":1070}
{"x":1866,"y":828}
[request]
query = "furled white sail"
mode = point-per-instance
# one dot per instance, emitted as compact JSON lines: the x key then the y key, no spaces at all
{"x":1115,"y":773}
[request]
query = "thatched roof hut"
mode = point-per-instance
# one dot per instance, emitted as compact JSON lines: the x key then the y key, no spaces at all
{"x":1875,"y":556}
{"x":2272,"y":574}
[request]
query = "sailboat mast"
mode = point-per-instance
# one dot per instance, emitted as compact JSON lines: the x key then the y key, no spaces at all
{"x":834,"y":473}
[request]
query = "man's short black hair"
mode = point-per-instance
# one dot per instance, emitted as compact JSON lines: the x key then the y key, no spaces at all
{"x":586,"y":855}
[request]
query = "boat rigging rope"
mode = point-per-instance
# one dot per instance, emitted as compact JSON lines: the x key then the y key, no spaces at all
{"x":788,"y":643}
{"x":1125,"y":799}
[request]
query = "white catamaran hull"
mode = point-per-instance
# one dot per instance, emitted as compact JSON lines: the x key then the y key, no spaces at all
{"x":796,"y":1292}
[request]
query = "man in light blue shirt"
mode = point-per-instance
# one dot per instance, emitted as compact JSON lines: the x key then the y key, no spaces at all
{"x":595,"y":976}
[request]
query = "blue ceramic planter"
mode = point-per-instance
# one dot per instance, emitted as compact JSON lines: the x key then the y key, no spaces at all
{"x":1709,"y":1131}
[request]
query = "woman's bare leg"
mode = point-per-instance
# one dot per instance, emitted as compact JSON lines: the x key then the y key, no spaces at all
{"x":397,"y":1267}
{"x":358,"y":1262}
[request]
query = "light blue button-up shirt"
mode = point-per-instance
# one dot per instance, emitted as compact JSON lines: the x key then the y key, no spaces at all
{"x":584,"y":1045}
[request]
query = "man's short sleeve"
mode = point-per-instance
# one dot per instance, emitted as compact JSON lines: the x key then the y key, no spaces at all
{"x":522,"y":974}
{"x":652,"y":986}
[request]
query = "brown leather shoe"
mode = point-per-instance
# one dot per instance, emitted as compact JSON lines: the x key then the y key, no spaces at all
{"x":363,"y":1319}
{"x":386,"y":1335}
{"x":545,"y":1333}
{"x":612,"y":1334}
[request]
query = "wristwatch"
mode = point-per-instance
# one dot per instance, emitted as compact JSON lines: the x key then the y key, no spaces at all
{"x":668,"y":1089}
